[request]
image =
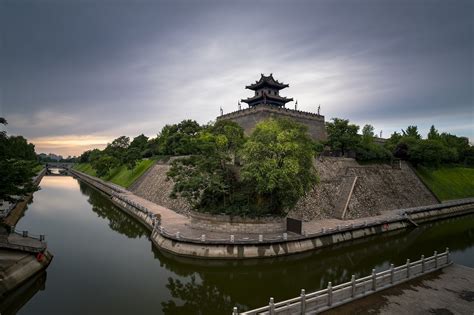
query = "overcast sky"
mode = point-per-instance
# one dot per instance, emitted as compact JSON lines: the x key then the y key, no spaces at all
{"x":77,"y":74}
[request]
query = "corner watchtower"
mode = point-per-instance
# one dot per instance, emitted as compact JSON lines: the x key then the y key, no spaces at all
{"x":267,"y":103}
{"x":267,"y":92}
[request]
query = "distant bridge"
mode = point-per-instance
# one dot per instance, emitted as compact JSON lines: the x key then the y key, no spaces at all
{"x":61,"y":167}
{"x":64,"y":165}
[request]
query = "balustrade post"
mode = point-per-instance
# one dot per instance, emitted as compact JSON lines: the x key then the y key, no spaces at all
{"x":374,"y":280}
{"x":392,"y":273}
{"x":177,"y":235}
{"x":161,"y":229}
{"x":285,"y":236}
{"x":436,"y":259}
{"x":232,"y":238}
{"x":447,"y":255}
{"x":303,"y":302}
{"x":329,"y":293}
{"x":408,"y":268}
{"x":260,"y":238}
{"x":271,"y":307}
{"x":353,"y":285}
{"x":422,"y":263}
{"x":203,"y":238}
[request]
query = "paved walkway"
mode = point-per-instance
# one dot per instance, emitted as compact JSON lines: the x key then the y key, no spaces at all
{"x":449,"y":291}
{"x":18,"y":242}
{"x":174,"y":222}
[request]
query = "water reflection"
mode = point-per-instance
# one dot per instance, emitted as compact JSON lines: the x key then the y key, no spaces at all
{"x":113,"y":266}
{"x":118,"y":220}
{"x":214,"y":287}
{"x":220,"y":285}
{"x":14,"y":301}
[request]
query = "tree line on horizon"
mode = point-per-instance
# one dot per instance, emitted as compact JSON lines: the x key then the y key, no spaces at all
{"x":436,"y":149}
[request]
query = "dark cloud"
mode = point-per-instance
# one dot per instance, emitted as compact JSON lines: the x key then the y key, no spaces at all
{"x":108,"y":68}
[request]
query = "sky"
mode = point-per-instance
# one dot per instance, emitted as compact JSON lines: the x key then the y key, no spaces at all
{"x":76,"y":74}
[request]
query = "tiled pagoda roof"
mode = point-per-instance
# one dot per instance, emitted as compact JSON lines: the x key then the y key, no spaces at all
{"x":267,"y":81}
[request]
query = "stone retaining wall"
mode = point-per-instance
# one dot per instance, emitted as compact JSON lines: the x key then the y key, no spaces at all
{"x":234,"y":224}
{"x":256,"y":248}
{"x":378,"y":188}
{"x":304,"y":243}
{"x":155,"y":187}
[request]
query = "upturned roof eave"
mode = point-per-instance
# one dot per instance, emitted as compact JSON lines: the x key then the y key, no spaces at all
{"x":255,"y":86}
{"x":260,"y":97}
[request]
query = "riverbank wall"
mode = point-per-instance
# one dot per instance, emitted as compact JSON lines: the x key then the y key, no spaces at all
{"x":16,"y":211}
{"x":17,"y":267}
{"x":225,"y":246}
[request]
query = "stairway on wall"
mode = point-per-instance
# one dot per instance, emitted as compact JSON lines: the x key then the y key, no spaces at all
{"x":381,"y":188}
{"x":378,"y":188}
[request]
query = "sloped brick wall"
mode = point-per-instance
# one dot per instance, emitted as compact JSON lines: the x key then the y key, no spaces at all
{"x":378,"y":188}
{"x":155,"y":187}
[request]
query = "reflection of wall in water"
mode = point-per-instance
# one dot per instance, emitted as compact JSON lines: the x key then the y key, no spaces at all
{"x":335,"y":264}
{"x":15,"y":300}
{"x":119,"y":221}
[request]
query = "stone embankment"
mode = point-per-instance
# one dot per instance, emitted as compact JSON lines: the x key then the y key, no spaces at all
{"x":348,"y":190}
{"x":178,"y":234}
{"x":11,"y":212}
{"x":155,"y":187}
{"x":22,"y":255}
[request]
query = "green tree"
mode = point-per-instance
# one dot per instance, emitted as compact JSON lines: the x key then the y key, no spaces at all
{"x":17,"y":164}
{"x":393,"y":141}
{"x":206,"y":179}
{"x":118,"y":148}
{"x":178,"y":139}
{"x":342,"y":135}
{"x":368,"y":132}
{"x":104,"y":164}
{"x":16,"y":178}
{"x":460,"y":144}
{"x":140,"y":142}
{"x":84,"y":157}
{"x":132,"y":156}
{"x":278,"y":164}
{"x":412,"y":131}
{"x":433,"y":134}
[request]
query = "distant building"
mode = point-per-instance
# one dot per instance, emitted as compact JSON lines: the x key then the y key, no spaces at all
{"x":267,"y":102}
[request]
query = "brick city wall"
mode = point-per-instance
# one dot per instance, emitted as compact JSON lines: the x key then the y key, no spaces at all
{"x":248,"y":118}
{"x":234,"y":224}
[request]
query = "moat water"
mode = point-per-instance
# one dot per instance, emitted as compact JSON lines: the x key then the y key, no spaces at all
{"x":104,"y":262}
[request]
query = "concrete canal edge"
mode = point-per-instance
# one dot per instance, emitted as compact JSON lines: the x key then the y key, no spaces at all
{"x":23,"y":266}
{"x":19,"y":262}
{"x":16,"y":213}
{"x":254,"y":249}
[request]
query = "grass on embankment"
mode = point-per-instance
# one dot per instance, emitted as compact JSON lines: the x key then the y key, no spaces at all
{"x":38,"y":168}
{"x":119,"y":175}
{"x":449,"y":182}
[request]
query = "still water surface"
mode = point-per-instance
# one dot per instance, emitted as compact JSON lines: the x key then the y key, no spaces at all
{"x":104,"y":263}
